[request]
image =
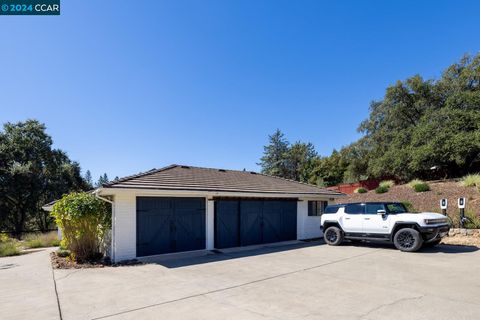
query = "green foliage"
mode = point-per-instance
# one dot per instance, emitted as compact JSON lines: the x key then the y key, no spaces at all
{"x":447,"y":111}
{"x":42,"y":240}
{"x":63,"y":253}
{"x":32,"y":173}
{"x":103,"y":179}
{"x":382,"y":189}
{"x":471,"y":180}
{"x":88,"y":179}
{"x":360,"y":190}
{"x":295,"y":162}
{"x":419,"y":185}
{"x":8,"y":246}
{"x":387,"y":183}
{"x":274,"y":157}
{"x":414,"y":182}
{"x":84,"y":221}
{"x":420,"y":129}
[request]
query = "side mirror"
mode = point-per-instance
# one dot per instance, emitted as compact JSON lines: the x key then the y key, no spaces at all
{"x":381,"y":212}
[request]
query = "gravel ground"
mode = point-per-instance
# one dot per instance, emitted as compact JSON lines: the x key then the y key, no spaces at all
{"x":462,"y":240}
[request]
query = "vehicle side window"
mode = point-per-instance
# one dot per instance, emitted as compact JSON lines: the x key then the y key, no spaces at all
{"x":355,"y":209}
{"x":331,"y":209}
{"x":374,"y":207}
{"x":395,"y":208}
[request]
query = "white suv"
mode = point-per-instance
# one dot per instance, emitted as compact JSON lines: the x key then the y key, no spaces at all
{"x":383,"y":221}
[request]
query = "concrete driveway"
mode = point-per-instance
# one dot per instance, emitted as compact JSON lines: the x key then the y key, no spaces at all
{"x":295,"y":281}
{"x":27,"y":289}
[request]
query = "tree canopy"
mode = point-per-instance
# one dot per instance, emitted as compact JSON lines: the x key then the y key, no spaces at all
{"x":420,"y":129}
{"x":32,"y":173}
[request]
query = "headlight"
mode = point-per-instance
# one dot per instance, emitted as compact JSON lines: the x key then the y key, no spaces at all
{"x":435,"y":221}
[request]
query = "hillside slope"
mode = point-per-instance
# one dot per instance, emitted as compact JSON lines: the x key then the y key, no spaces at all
{"x":425,"y":201}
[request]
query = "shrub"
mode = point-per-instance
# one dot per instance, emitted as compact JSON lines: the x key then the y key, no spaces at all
{"x":421,"y":187}
{"x":40,"y":240}
{"x":381,"y":189}
{"x":4,"y":237}
{"x":387,"y":183}
{"x":360,"y":190}
{"x":471,"y":180}
{"x":412,"y":183}
{"x":8,"y":246}
{"x":63,"y":253}
{"x":84,"y":220}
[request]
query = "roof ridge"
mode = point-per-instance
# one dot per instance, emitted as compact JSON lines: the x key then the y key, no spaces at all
{"x":140,"y":174}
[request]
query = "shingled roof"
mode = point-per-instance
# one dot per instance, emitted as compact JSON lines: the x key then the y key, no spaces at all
{"x":180,"y":177}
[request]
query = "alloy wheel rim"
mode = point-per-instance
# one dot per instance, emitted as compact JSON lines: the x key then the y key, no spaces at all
{"x":406,"y":240}
{"x":331,"y":236}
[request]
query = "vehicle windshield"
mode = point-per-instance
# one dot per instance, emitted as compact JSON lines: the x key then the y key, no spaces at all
{"x":394,"y":208}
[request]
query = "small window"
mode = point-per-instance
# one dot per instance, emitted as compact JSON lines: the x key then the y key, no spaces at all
{"x":372,"y":208}
{"x":316,"y":208}
{"x":355,"y":208}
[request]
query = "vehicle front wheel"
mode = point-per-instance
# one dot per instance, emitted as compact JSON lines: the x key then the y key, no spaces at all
{"x":333,"y":236}
{"x":408,"y":240}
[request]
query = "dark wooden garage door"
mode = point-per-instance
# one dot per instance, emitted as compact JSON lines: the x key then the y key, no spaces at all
{"x":249,"y":222}
{"x":166,"y":225}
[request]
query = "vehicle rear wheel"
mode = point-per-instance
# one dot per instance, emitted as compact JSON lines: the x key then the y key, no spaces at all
{"x":333,"y":236}
{"x":408,"y":240}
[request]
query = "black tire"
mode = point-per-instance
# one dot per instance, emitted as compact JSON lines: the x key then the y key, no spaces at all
{"x":407,"y":240}
{"x":432,"y":244}
{"x":333,"y":236}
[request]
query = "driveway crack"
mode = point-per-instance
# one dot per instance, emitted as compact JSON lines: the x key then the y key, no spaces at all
{"x":56,"y":293}
{"x":389,"y":304}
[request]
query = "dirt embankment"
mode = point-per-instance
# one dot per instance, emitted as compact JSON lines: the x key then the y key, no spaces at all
{"x":425,"y":201}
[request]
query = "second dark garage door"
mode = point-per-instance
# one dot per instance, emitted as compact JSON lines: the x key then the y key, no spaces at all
{"x":249,"y":222}
{"x":166,"y":225}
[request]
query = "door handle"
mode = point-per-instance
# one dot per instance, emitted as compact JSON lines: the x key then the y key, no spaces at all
{"x":347,"y":218}
{"x":367,"y":218}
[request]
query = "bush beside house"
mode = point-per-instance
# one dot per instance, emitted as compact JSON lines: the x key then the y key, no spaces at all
{"x":84,"y":221}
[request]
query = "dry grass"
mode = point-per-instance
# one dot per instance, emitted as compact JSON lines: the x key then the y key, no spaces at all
{"x":41,"y":240}
{"x":8,"y":246}
{"x":471,"y":180}
{"x":387,"y":183}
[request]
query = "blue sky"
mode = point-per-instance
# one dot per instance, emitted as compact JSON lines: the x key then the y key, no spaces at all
{"x":126,"y":86}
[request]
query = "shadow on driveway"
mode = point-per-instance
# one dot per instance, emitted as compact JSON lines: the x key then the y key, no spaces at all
{"x":223,"y":255}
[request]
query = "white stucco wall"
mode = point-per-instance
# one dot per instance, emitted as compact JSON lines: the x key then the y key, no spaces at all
{"x":125,"y":229}
{"x":307,"y":227}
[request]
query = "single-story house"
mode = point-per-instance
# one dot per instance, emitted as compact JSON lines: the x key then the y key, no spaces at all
{"x":184,"y":208}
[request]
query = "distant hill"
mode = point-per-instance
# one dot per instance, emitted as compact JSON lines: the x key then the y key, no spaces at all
{"x":425,"y":201}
